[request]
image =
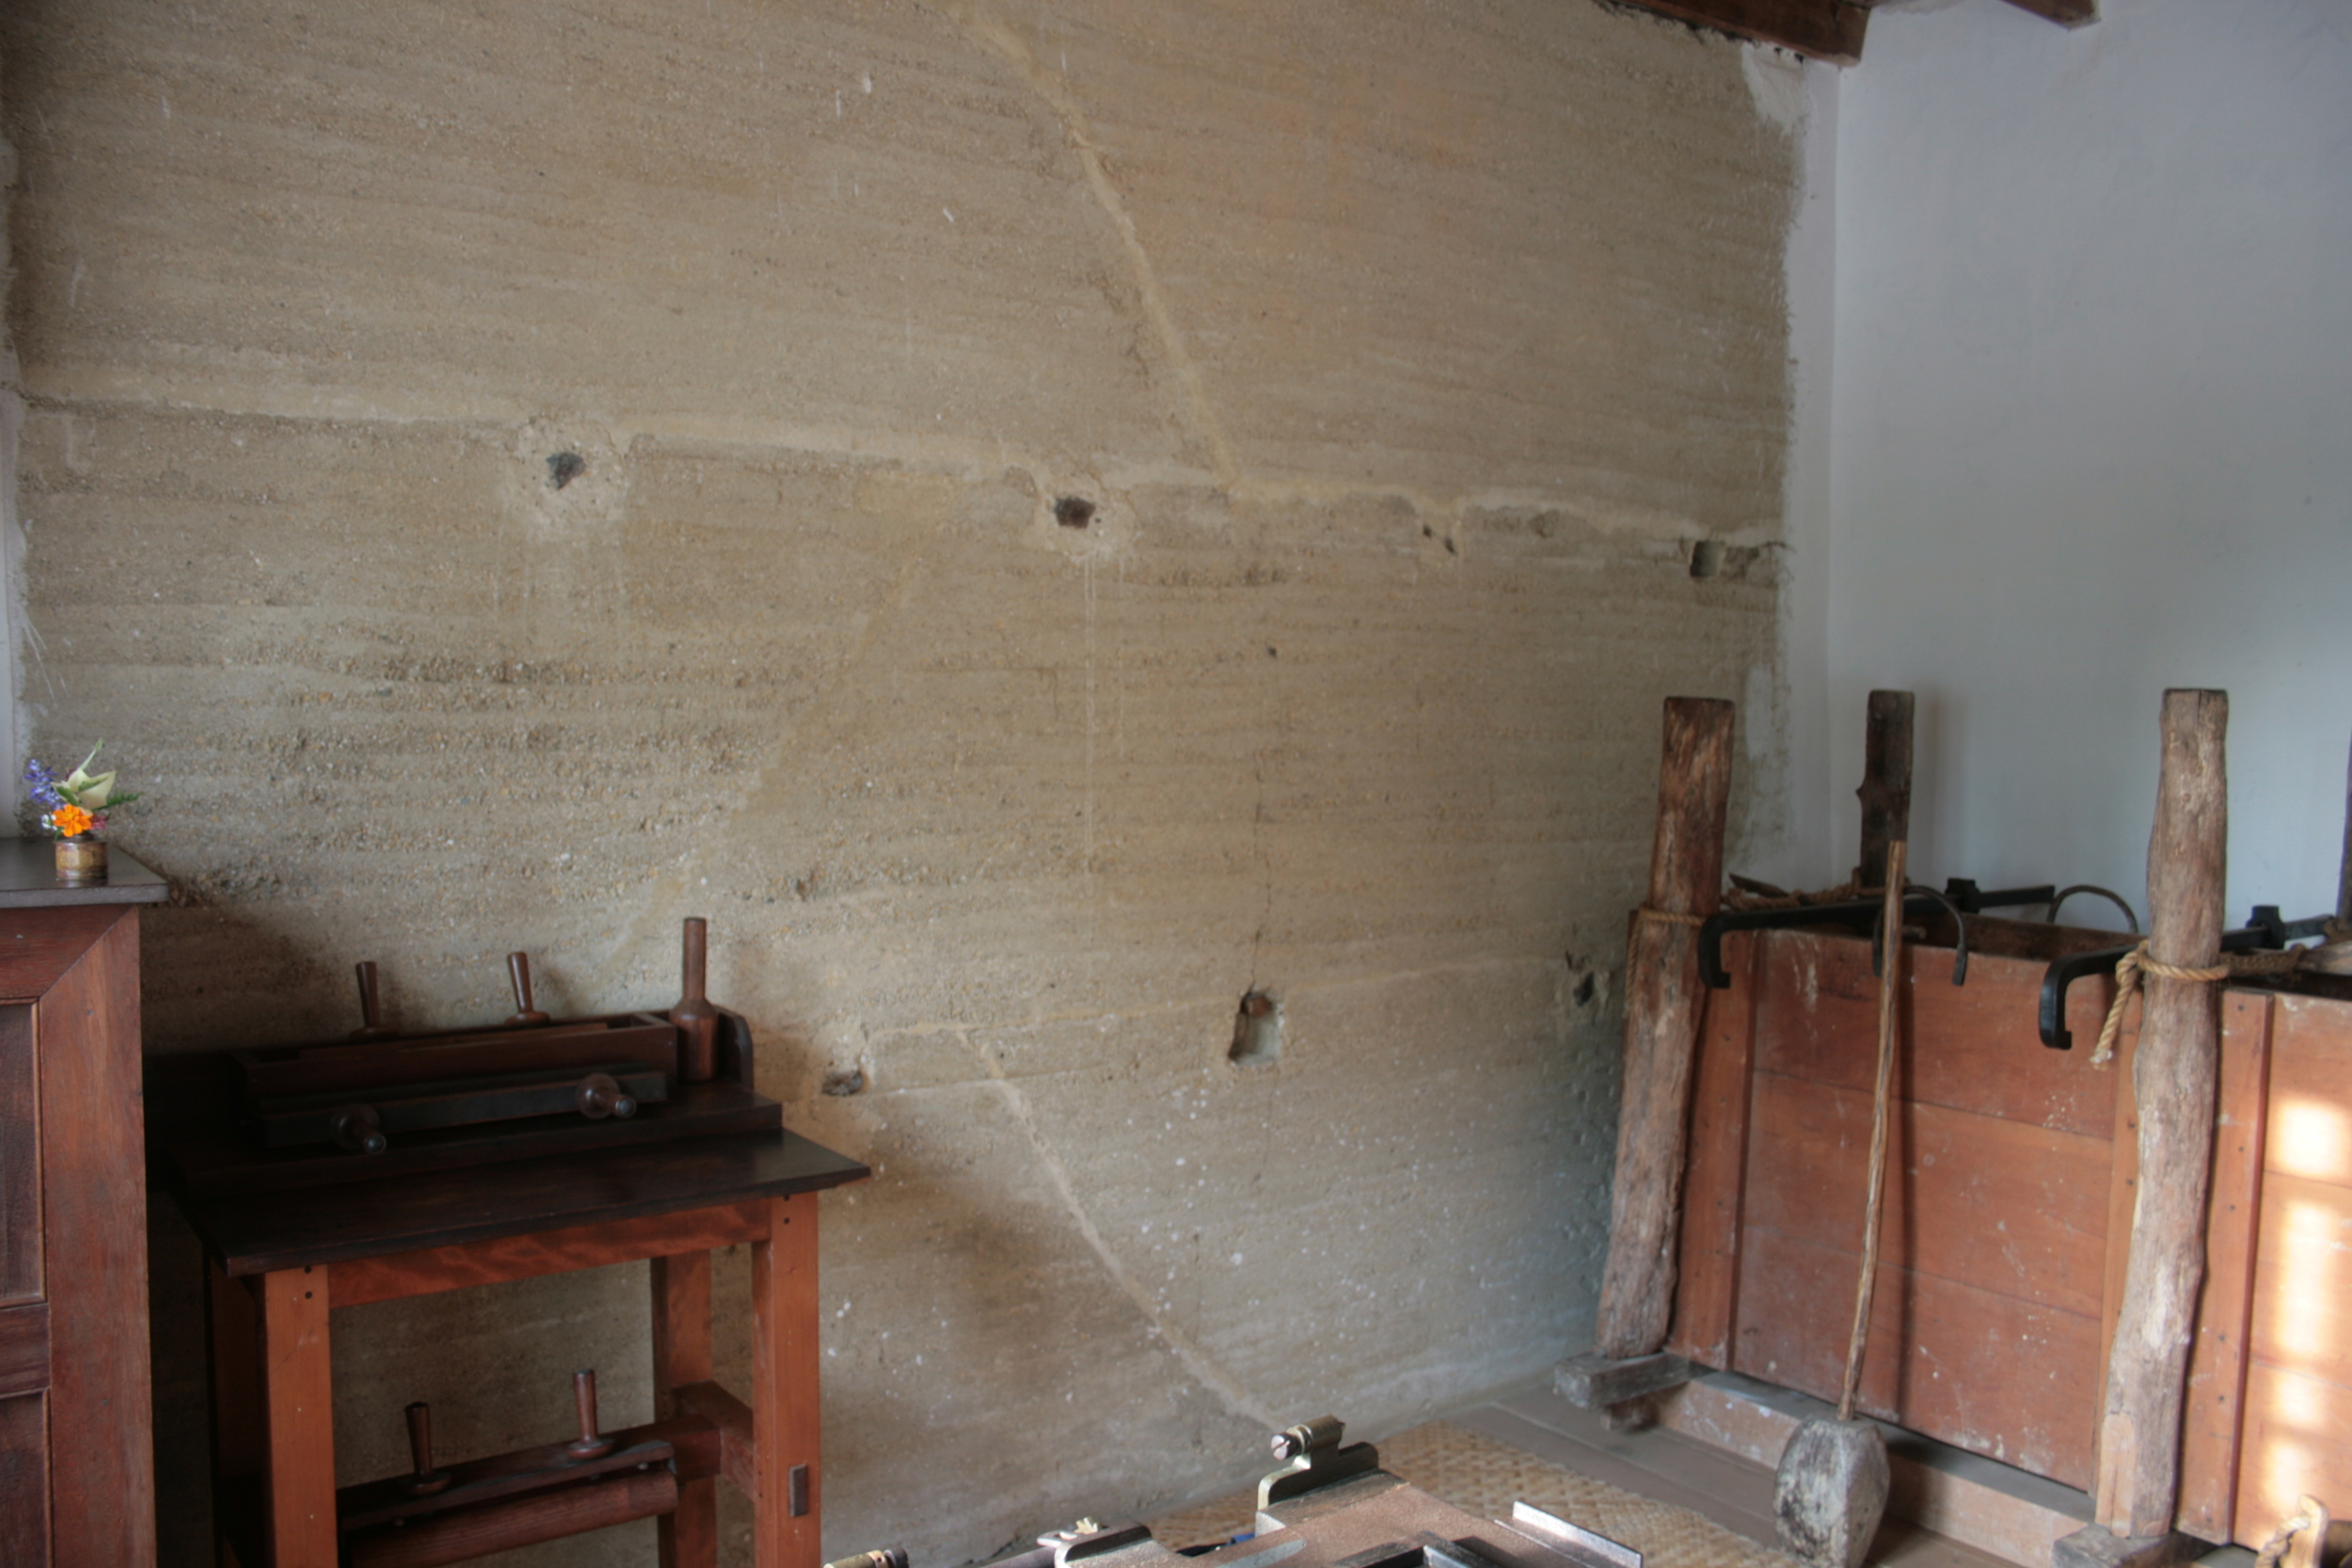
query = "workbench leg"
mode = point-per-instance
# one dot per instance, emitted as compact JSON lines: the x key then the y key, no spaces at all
{"x":681,"y":1353}
{"x":297,"y":1403}
{"x":784,"y":1391}
{"x":233,"y":1373}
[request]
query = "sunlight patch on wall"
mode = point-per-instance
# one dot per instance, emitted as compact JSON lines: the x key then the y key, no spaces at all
{"x":2311,"y":1138}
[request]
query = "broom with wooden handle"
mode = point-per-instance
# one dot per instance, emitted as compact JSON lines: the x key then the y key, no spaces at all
{"x":1831,"y":1489}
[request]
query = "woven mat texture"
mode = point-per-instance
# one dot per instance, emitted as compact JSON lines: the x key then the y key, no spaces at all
{"x":1481,"y":1476}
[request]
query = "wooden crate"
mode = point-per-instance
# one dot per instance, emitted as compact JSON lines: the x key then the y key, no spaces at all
{"x":2007,"y":1214}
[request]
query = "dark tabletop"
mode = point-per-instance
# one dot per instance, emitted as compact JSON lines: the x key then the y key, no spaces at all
{"x":257,"y":1233}
{"x":28,"y":877}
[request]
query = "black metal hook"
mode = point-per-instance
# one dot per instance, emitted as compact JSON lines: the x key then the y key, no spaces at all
{"x":1972,"y":899}
{"x":2263,"y":931}
{"x":1859,"y":916}
{"x":1960,"y":924}
{"x":2130,"y":917}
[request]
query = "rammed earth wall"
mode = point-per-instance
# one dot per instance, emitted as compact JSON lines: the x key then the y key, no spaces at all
{"x":1402,"y":354}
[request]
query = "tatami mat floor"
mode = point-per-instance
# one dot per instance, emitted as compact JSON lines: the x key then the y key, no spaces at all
{"x":1682,"y":1503}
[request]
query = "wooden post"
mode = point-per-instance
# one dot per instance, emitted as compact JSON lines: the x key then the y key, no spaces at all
{"x":298,"y":1399}
{"x":2173,"y":1080}
{"x":2334,"y":955}
{"x":2343,"y":876}
{"x":2212,"y":1429}
{"x":688,"y":1537}
{"x":1662,"y":1003}
{"x":1885,"y":790}
{"x":788,"y":1496}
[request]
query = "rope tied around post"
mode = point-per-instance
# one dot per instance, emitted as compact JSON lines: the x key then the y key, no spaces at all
{"x":2312,"y":1523}
{"x":1668,"y":917}
{"x":2282,"y":961}
{"x":2128,"y":975}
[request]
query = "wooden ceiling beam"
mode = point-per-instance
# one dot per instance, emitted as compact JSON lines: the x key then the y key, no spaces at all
{"x":2066,"y":13}
{"x":1821,"y":29}
{"x":1824,"y":30}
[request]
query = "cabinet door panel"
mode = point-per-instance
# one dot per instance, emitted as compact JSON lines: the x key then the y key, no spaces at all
{"x":20,"y":1159}
{"x":24,"y":1481}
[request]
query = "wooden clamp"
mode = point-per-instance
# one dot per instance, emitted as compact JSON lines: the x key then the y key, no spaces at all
{"x":515,"y":1499}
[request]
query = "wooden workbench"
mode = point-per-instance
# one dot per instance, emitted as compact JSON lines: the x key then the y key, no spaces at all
{"x":280,"y":1263}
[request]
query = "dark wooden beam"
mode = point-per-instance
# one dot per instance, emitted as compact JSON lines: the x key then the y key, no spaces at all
{"x":1821,"y":30}
{"x":2066,"y":13}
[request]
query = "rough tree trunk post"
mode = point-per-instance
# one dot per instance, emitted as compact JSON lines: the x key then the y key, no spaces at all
{"x":1886,"y":791}
{"x":2334,"y":956}
{"x":2173,"y":1079}
{"x":1663,"y":1002}
{"x":2343,"y":876}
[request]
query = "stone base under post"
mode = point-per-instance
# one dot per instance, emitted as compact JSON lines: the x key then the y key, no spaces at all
{"x":1596,"y":1382}
{"x":2096,"y":1546}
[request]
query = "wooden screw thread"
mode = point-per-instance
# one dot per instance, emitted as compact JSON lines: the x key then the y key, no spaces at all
{"x":518,"y":972}
{"x":425,"y":1481}
{"x":421,"y":1437}
{"x":695,"y":1019}
{"x":590,"y":1442}
{"x":1891,"y":994}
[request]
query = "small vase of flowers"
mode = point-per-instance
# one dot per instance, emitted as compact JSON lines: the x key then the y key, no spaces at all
{"x":73,"y":810}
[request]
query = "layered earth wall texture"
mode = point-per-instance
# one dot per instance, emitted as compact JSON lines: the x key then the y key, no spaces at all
{"x":1037,"y":520}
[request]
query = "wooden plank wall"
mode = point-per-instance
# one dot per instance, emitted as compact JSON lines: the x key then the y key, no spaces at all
{"x":2295,"y":1431}
{"x":2008,"y":1219}
{"x":1988,"y":1324}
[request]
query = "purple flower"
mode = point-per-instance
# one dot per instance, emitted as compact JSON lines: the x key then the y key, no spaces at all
{"x":44,"y":782}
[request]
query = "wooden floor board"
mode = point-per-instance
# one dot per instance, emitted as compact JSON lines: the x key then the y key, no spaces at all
{"x":1672,"y":1469}
{"x":1545,"y":1441}
{"x":1738,"y":1486}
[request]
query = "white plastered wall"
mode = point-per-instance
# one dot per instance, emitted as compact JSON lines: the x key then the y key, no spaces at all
{"x":2091,"y":430}
{"x":1793,"y":847}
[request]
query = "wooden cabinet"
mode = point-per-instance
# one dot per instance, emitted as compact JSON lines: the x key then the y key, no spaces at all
{"x":76,"y":1454}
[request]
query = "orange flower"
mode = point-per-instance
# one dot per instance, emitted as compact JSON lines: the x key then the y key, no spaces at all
{"x":71,"y":821}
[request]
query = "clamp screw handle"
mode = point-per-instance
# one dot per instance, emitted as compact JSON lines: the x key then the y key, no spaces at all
{"x":588,"y":1445}
{"x":358,"y":1129}
{"x":427,"y":1480}
{"x":372,"y":1025}
{"x":600,"y":1096}
{"x":518,"y":971}
{"x":1323,"y":1433}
